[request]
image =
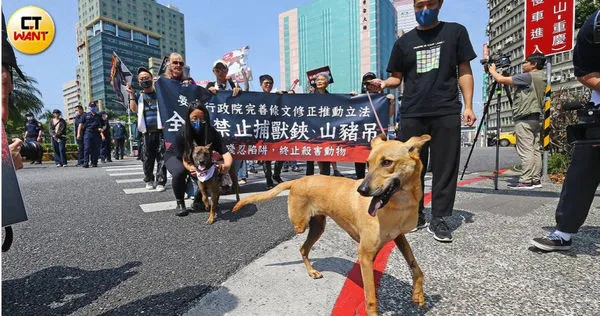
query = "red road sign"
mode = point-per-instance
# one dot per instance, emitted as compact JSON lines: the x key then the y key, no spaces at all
{"x":549,"y":26}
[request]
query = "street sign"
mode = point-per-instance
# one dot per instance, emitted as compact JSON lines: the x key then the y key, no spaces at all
{"x":549,"y":26}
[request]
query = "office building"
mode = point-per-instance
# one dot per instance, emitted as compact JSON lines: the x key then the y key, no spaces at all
{"x":351,"y":37}
{"x":136,"y":30}
{"x":405,"y":15}
{"x":505,"y":31}
{"x":70,"y":100}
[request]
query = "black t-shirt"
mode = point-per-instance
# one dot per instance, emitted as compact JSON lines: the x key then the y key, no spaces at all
{"x":586,"y":55}
{"x":177,"y":148}
{"x":428,"y":61}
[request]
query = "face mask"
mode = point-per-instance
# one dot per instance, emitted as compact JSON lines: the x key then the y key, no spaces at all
{"x":146,"y":84}
{"x":427,"y":17}
{"x":197,"y":125}
{"x":93,"y":110}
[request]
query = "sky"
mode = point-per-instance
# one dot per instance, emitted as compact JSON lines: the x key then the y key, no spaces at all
{"x":213,"y":28}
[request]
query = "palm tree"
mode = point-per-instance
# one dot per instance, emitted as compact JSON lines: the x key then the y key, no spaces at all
{"x":26,"y":97}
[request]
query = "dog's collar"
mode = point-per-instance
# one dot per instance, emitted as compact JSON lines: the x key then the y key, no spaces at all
{"x":205,"y":175}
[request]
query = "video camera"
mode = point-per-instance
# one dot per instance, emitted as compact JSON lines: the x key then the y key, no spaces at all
{"x":31,"y":150}
{"x":588,"y":128}
{"x":499,"y":59}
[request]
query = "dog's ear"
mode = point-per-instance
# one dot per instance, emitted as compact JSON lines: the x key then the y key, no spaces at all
{"x":378,"y":140}
{"x":416,"y":143}
{"x":209,"y":145}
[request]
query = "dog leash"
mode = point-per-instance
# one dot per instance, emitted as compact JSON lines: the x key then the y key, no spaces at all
{"x":376,"y":116}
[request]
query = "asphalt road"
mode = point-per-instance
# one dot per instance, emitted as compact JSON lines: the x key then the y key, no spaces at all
{"x":89,"y":248}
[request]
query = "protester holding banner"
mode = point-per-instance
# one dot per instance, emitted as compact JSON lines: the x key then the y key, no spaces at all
{"x":197,"y":131}
{"x":266,"y":83}
{"x":175,"y":70}
{"x":58,"y":131}
{"x":222,"y":83}
{"x":149,"y":123}
{"x":433,"y":60}
{"x":321,"y":83}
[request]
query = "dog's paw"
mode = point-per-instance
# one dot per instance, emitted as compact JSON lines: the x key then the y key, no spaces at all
{"x":418,"y":298}
{"x":315,"y":274}
{"x":236,"y":208}
{"x":210,"y":220}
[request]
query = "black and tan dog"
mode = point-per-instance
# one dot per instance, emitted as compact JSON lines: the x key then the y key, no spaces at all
{"x":209,"y":179}
{"x":382,"y":208}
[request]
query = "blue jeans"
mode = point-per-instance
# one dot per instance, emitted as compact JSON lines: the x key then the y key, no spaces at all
{"x":240,"y":166}
{"x":60,"y":151}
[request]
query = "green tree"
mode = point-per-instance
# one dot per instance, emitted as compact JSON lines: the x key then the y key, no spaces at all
{"x":25,"y":98}
{"x":583,"y":9}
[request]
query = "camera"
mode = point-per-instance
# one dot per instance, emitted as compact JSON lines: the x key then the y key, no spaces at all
{"x":499,"y":59}
{"x":31,"y":150}
{"x":588,"y":128}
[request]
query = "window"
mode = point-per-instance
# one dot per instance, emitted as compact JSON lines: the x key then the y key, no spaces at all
{"x":124,"y":33}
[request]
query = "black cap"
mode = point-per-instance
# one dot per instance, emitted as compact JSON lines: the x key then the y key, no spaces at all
{"x":369,"y":75}
{"x":102,"y":112}
{"x":56,"y":111}
{"x":8,"y":54}
{"x":92,"y":104}
{"x":142,"y":69}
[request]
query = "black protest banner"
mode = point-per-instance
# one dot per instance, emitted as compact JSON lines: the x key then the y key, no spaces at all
{"x":13,"y":209}
{"x":268,"y":126}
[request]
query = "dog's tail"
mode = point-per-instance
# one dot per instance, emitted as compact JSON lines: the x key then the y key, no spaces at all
{"x":264,"y":196}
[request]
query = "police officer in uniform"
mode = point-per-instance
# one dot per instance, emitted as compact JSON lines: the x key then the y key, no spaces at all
{"x":106,"y":147}
{"x":92,"y":125}
{"x":78,"y":119}
{"x":33,"y":134}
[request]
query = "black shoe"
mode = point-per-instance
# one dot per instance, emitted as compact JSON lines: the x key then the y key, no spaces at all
{"x":278,"y":179}
{"x":109,"y":160}
{"x":180,"y":209}
{"x":39,"y":162}
{"x":551,"y":242}
{"x":440,"y":230}
{"x":421,"y":223}
{"x":86,"y":166}
{"x":103,"y":161}
{"x":337,"y":173}
{"x":270,"y":185}
{"x":94,"y":165}
{"x":198,"y":205}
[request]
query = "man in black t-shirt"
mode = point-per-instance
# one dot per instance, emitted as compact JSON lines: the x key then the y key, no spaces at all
{"x":583,"y":175}
{"x":433,"y":61}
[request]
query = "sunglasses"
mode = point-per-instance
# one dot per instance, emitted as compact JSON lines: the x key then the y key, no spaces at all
{"x":177,"y":62}
{"x":220,"y":69}
{"x":267,"y":82}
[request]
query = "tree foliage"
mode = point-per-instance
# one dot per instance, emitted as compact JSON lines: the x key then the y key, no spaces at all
{"x":25,"y":97}
{"x":583,"y":9}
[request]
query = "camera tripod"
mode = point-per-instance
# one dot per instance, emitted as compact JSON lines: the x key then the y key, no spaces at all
{"x":497,"y":87}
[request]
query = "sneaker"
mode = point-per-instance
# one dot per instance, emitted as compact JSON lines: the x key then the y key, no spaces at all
{"x":521,"y":186}
{"x":551,"y":242}
{"x":160,"y":188}
{"x":269,"y":186}
{"x":243,"y":181}
{"x":440,"y":230}
{"x":296,"y":169}
{"x":536,"y":184}
{"x":421,"y":223}
{"x":58,"y":165}
{"x":149,"y":186}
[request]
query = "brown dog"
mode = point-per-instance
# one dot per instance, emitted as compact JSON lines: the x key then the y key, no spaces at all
{"x":385,"y":209}
{"x":211,"y":186}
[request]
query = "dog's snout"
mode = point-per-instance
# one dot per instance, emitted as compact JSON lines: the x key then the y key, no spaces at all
{"x":363,"y":188}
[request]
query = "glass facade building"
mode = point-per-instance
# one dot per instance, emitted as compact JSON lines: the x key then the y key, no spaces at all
{"x":351,"y":37}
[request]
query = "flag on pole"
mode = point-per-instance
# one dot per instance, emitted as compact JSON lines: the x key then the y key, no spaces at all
{"x":120,"y":76}
{"x":237,"y":62}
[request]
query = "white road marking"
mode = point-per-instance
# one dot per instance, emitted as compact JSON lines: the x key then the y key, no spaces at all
{"x":122,"y":166}
{"x":125,"y":174}
{"x":130,"y":180}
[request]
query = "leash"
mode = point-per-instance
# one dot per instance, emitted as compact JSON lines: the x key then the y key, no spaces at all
{"x":376,"y":116}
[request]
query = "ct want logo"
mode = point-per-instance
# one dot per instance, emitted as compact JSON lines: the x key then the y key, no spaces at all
{"x":30,"y":30}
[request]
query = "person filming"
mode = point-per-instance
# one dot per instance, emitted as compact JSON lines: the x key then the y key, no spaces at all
{"x":583,"y":174}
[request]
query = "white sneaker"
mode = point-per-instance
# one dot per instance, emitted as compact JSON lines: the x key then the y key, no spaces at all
{"x":160,"y":188}
{"x":149,"y":186}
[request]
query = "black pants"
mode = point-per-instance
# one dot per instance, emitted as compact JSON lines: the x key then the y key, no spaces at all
{"x":445,"y":157}
{"x":179,"y":175}
{"x":80,"y":148}
{"x":119,"y":148}
{"x":267,"y":169}
{"x":324,"y":168}
{"x":106,"y":148}
{"x":581,"y":182}
{"x":154,"y":150}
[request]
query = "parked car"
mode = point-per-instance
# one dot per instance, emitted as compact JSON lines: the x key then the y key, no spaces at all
{"x":506,"y":139}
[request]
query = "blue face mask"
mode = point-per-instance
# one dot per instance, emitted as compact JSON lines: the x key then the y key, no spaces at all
{"x":427,"y":17}
{"x":93,"y":110}
{"x":197,"y":125}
